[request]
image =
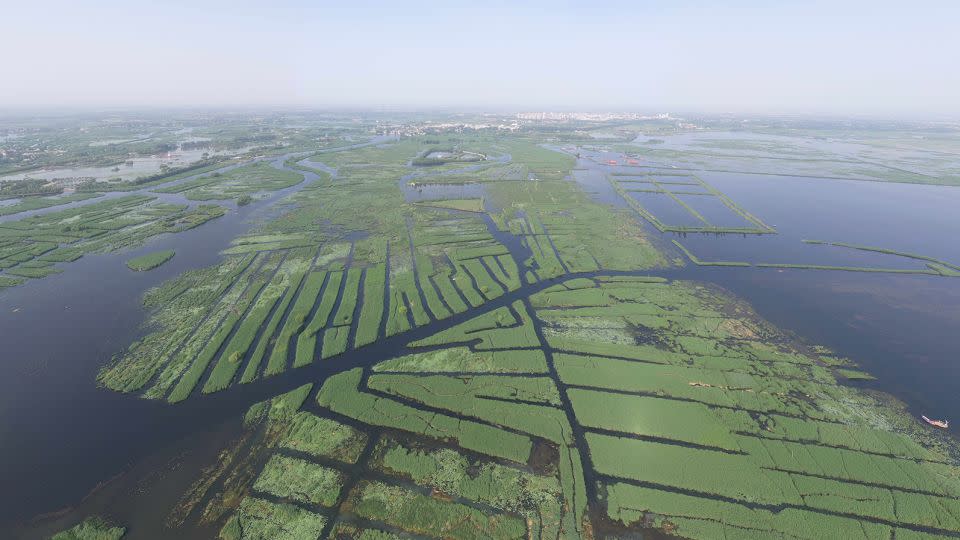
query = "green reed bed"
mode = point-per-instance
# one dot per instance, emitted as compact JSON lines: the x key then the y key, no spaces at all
{"x":261,"y":519}
{"x":298,"y":480}
{"x":371,"y":313}
{"x":307,"y":339}
{"x":251,"y":370}
{"x":437,"y":518}
{"x":295,"y":321}
{"x":341,"y":394}
{"x":323,"y":437}
{"x":150,"y":260}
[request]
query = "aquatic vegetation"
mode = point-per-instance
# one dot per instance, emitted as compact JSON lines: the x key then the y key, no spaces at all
{"x":341,"y":394}
{"x":464,"y":359}
{"x":150,"y":260}
{"x":434,"y":517}
{"x":659,"y":403}
{"x":374,"y":282}
{"x":9,"y":282}
{"x":28,"y":272}
{"x":37,"y":203}
{"x":295,"y":321}
{"x":236,"y":183}
{"x":855,"y":375}
{"x":307,"y":340}
{"x":298,"y":480}
{"x":324,"y":437}
{"x":538,"y":498}
{"x":92,"y":528}
{"x":258,"y":519}
{"x":96,"y":227}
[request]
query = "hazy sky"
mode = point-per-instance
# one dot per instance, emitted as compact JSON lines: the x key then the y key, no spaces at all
{"x":852,"y":56}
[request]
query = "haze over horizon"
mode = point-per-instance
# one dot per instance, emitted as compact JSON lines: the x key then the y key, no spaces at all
{"x":855,"y":58}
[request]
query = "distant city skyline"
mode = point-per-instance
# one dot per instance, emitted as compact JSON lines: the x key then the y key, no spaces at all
{"x":848,"y":57}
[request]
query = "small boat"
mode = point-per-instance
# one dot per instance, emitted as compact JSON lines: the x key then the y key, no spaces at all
{"x":943,"y":424}
{"x":611,"y":162}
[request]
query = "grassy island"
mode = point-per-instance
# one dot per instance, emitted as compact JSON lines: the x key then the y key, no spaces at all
{"x":150,"y":260}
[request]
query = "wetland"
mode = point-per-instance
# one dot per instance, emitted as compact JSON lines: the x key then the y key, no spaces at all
{"x":537,"y":334}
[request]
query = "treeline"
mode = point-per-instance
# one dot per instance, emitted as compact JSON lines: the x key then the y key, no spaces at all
{"x":28,"y":188}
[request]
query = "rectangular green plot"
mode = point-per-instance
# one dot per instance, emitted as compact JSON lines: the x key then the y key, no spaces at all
{"x":403,"y":293}
{"x":307,"y":340}
{"x":299,"y":480}
{"x":371,"y":313}
{"x":334,"y":341}
{"x":465,"y":285}
{"x":565,"y":298}
{"x":432,"y":517}
{"x":340,"y":394}
{"x":465,"y":397}
{"x":706,"y":471}
{"x":712,"y":387}
{"x":462,"y":359}
{"x":574,"y":253}
{"x":295,"y":321}
{"x":645,"y":353}
{"x":425,"y":269}
{"x":703,"y":517}
{"x":538,"y":498}
{"x":260,"y":519}
{"x":466,"y":253}
{"x":449,"y":292}
{"x":348,"y":302}
{"x":848,"y":436}
{"x":547,"y":263}
{"x":650,"y":416}
{"x":511,"y":272}
{"x":323,"y":437}
{"x":851,"y":465}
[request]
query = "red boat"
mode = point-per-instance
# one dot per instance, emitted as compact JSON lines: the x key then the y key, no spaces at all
{"x":612,"y":162}
{"x":632,"y":162}
{"x":942,"y":424}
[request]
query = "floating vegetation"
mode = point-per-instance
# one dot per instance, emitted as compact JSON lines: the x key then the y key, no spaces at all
{"x":92,"y":528}
{"x":150,"y":260}
{"x":97,"y":227}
